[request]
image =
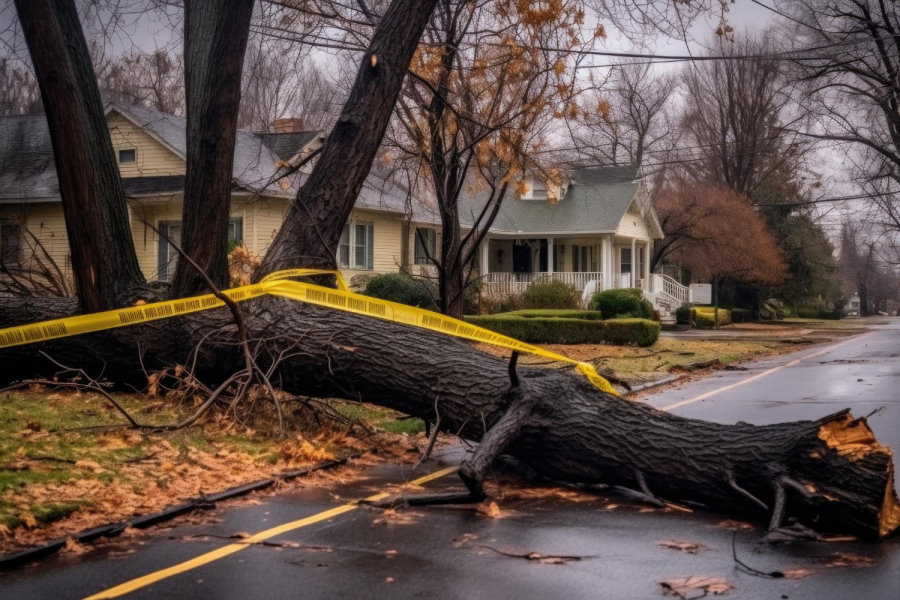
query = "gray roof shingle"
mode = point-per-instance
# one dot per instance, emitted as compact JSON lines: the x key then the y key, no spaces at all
{"x":28,"y":171}
{"x":596,"y":200}
{"x":286,"y":145}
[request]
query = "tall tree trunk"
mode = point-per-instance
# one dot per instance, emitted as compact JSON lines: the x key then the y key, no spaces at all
{"x":104,"y":262}
{"x":215,"y":39}
{"x":830,"y":474}
{"x":452,"y":280}
{"x":313,"y":225}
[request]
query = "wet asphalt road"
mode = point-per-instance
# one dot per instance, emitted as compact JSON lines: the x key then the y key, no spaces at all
{"x":451,"y":552}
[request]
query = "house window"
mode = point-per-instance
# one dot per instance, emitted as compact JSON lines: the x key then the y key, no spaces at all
{"x":128,"y":155}
{"x":356,"y":247}
{"x":426,"y":242}
{"x":167,"y":258}
{"x":10,"y":244}
{"x":626,"y":261}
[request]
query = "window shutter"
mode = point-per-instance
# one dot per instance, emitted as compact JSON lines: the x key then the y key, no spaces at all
{"x":370,"y":246}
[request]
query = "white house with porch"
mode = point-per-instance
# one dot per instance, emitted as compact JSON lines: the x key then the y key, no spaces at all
{"x":595,"y":231}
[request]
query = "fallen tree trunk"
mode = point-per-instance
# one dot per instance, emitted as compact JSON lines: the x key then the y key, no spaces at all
{"x":829,"y":474}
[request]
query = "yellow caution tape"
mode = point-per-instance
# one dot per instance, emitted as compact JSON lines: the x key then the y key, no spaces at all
{"x":276,"y":284}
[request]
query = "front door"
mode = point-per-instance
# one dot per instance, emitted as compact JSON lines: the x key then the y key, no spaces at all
{"x":625,"y":267}
{"x":522,"y":257}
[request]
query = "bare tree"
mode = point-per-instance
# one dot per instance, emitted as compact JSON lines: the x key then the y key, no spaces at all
{"x":279,"y":83}
{"x":152,"y":80}
{"x":852,"y":88}
{"x":735,"y":116}
{"x":625,"y":117}
{"x":19,"y":94}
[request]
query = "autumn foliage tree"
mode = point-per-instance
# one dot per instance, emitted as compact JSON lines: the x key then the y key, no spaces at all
{"x":484,"y":82}
{"x":715,"y":233}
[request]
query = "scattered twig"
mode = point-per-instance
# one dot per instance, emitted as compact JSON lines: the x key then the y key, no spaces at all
{"x":539,"y":557}
{"x":747,"y":568}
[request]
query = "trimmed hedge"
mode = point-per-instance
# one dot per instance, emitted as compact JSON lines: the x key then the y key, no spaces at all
{"x":816,"y":312}
{"x":550,"y":294}
{"x":631,"y":332}
{"x":561,"y":330}
{"x":704,"y":317}
{"x":621,"y":303}
{"x":558,"y":313}
{"x":543,"y":331}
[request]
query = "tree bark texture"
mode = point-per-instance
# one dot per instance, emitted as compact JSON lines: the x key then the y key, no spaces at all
{"x":312,"y":228}
{"x":833,"y":474}
{"x":215,"y":39}
{"x":104,"y":262}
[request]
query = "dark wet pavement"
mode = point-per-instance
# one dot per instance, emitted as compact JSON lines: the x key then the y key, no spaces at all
{"x":452,"y":552}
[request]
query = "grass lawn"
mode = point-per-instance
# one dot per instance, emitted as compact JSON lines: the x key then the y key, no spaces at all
{"x":67,"y":462}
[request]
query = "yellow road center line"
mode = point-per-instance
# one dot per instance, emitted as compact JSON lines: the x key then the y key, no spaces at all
{"x":203,"y":559}
{"x":752,"y":378}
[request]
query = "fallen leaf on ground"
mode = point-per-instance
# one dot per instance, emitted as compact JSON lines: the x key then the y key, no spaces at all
{"x":840,"y":559}
{"x":797,"y":573}
{"x":681,"y":587}
{"x":74,"y":547}
{"x":90,"y":465}
{"x":689,"y":547}
{"x":489,"y":509}
{"x":735,"y":525}
{"x":395,"y":517}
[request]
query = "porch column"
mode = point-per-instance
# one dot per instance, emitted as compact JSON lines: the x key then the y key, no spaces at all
{"x":485,"y":256}
{"x":550,"y":252}
{"x":647,"y":248}
{"x":607,"y":263}
{"x":633,"y":275}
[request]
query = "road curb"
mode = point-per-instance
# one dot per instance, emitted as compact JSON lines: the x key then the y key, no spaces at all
{"x":657,"y":383}
{"x":202,"y":502}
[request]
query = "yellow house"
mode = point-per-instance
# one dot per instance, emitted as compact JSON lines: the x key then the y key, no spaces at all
{"x":150,"y":150}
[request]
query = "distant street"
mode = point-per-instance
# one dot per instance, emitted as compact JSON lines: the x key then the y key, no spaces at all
{"x":604,"y":545}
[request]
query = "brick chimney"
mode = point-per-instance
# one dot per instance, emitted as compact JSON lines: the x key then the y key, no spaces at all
{"x":290,"y":125}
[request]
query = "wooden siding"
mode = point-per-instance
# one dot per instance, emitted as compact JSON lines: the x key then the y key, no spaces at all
{"x":46,"y":221}
{"x":151,"y":157}
{"x":633,"y":225}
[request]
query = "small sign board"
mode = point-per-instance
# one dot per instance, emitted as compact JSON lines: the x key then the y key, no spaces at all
{"x":701,"y":293}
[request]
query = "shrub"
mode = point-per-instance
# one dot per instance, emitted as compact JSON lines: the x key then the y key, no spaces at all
{"x":631,"y":332}
{"x":683,"y":314}
{"x":488,"y":305}
{"x":401,"y":288}
{"x":704,"y":317}
{"x":621,"y":303}
{"x":564,"y":313}
{"x":550,"y":294}
{"x":563,"y":330}
{"x":543,"y":331}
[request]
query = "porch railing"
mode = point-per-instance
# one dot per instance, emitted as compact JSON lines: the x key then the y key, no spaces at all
{"x":510,"y":284}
